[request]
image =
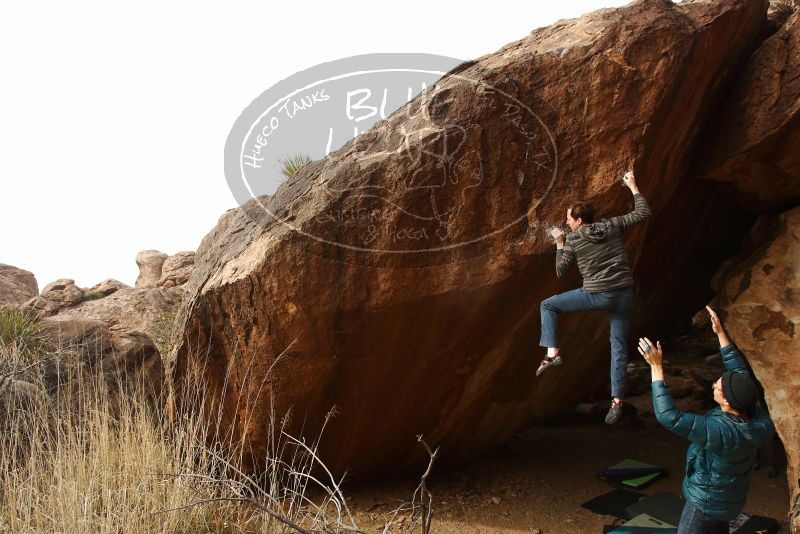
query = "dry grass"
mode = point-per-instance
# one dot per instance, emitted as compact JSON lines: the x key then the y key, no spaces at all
{"x":96,"y":457}
{"x":21,"y":332}
{"x":95,"y":454}
{"x":90,"y":450}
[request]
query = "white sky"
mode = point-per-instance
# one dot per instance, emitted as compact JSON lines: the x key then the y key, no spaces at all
{"x":113,"y":118}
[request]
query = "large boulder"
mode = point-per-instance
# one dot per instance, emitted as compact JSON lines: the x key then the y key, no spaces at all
{"x":399,"y":278}
{"x":754,"y":142}
{"x":759,"y":294}
{"x":16,"y":285}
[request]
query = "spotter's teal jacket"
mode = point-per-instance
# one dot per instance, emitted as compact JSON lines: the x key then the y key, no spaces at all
{"x":720,"y":460}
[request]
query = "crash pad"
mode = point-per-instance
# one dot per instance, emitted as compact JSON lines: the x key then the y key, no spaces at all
{"x":631,"y":473}
{"x":613,"y":503}
{"x":663,"y":505}
{"x":643,"y":523}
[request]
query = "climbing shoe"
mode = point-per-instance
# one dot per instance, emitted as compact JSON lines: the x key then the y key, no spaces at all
{"x":614,"y":412}
{"x":548,"y":362}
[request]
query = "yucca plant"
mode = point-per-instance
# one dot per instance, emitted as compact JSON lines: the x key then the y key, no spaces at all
{"x":21,"y":330}
{"x":291,"y":165}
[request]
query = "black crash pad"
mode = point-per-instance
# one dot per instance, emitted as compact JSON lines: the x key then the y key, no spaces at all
{"x":613,"y":503}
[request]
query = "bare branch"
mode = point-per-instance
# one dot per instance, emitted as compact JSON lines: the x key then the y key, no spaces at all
{"x":425,"y":497}
{"x":247,"y":500}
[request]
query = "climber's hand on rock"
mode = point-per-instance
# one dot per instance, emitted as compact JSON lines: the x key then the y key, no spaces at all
{"x":716,"y":325}
{"x":558,"y":235}
{"x":630,"y":180}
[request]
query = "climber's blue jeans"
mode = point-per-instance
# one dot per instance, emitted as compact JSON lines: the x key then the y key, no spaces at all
{"x":694,"y":521}
{"x":619,"y":305}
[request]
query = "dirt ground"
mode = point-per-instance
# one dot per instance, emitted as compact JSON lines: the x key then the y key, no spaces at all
{"x":537,"y":482}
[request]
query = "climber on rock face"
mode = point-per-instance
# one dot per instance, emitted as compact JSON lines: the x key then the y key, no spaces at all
{"x":725,"y":441}
{"x":607,"y":283}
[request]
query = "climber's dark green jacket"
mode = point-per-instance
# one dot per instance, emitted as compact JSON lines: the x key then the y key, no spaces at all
{"x":720,"y":460}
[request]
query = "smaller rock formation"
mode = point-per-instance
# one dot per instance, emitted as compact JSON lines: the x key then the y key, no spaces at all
{"x":125,"y":355}
{"x":158,"y":288}
{"x":70,"y":331}
{"x":131,"y":308}
{"x":56,"y":295}
{"x":63,"y":291}
{"x":18,"y":395}
{"x":16,"y":285}
{"x":103,"y":289}
{"x":759,"y":294}
{"x":176,"y":269}
{"x":150,"y":263}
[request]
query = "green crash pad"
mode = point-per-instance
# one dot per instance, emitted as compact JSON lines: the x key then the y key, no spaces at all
{"x":631,"y":473}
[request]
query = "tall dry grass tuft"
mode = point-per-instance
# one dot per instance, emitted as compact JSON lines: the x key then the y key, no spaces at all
{"x":94,"y":455}
{"x":21,"y":331}
{"x":88,"y":449}
{"x":85,"y":449}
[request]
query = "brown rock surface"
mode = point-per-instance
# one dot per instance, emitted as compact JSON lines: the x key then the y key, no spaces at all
{"x":103,"y":289}
{"x":759,"y":292}
{"x":150,"y":263}
{"x":123,"y":353}
{"x":176,"y":269}
{"x":16,"y":285}
{"x":41,"y":305}
{"x":437,"y":334}
{"x":753,"y":142}
{"x":67,"y":331}
{"x":62,"y":293}
{"x":132,"y":308}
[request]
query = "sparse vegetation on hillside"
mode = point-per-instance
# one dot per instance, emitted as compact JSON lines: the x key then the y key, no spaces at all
{"x":92,"y":295}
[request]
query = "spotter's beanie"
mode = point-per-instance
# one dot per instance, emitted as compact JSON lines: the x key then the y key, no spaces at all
{"x":740,"y":391}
